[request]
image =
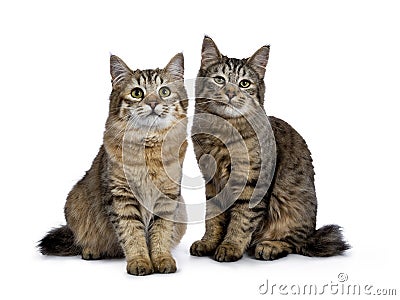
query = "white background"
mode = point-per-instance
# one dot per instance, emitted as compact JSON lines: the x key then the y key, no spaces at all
{"x":333,"y":74}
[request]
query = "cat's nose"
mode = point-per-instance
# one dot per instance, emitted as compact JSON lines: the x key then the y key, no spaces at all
{"x":230,"y":94}
{"x":152,"y":104}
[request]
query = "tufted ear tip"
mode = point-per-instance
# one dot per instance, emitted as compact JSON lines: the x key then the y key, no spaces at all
{"x":207,"y":38}
{"x":209,"y":52}
{"x":258,"y":61}
{"x":175,"y":68}
{"x":118,"y":69}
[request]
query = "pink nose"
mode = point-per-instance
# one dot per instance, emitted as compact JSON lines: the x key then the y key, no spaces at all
{"x":230,"y":94}
{"x":152,"y":105}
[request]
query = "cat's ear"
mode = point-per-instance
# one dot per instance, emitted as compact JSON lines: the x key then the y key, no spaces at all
{"x":118,"y":70}
{"x":258,"y":61}
{"x":209,"y":53}
{"x":175,"y":67}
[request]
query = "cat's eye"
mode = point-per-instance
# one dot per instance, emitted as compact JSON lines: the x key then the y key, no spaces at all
{"x":244,"y":83}
{"x":137,"y":93}
{"x":219,"y":79}
{"x":164,"y":91}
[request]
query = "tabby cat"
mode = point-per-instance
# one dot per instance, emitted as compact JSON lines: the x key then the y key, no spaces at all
{"x":127,"y":204}
{"x":284,"y":220}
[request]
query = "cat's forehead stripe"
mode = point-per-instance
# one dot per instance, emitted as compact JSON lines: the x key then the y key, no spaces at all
{"x":233,"y":66}
{"x":240,"y":68}
{"x":144,"y":79}
{"x":150,"y":76}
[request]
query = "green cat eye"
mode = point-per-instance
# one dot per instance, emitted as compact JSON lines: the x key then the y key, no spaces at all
{"x":219,"y":79}
{"x":244,"y":83}
{"x":137,"y":93}
{"x":164,"y":91}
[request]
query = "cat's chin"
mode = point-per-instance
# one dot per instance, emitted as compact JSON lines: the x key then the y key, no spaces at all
{"x":229,"y":111}
{"x":153,"y":122}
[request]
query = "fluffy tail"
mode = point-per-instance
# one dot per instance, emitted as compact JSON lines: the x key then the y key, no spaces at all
{"x":59,"y":241}
{"x":326,"y":241}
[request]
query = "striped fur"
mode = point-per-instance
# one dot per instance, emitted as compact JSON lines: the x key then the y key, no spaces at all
{"x":127,"y":204}
{"x":284,"y":221}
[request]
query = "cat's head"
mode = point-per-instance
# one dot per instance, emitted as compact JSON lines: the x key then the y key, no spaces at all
{"x":230,"y":87}
{"x":148,"y":99}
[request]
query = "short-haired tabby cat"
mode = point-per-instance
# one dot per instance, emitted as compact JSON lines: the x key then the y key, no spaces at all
{"x":284,"y":221}
{"x":104,"y":211}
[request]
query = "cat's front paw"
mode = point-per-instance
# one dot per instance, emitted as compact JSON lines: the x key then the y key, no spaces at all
{"x":202,"y":248}
{"x":164,"y":264}
{"x":228,"y":253}
{"x":139,"y":266}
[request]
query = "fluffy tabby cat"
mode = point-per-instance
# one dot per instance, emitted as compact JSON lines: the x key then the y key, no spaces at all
{"x":284,"y":220}
{"x":127,"y":204}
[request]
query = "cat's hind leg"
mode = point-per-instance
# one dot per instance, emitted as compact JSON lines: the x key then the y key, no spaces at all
{"x":270,"y":250}
{"x":286,"y":228}
{"x":92,"y":230}
{"x":90,"y":254}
